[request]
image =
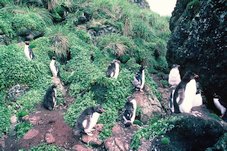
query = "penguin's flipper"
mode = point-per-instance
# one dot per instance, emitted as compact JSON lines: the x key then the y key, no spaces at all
{"x":110,"y":70}
{"x":181,"y":96}
{"x":31,"y":54}
{"x":57,"y":69}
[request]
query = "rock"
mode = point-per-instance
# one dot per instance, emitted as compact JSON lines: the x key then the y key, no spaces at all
{"x":13,"y":119}
{"x":34,"y":120}
{"x":94,"y":139}
{"x":25,"y":118}
{"x":199,"y":132}
{"x":101,"y":30}
{"x":141,"y":3}
{"x":31,"y":134}
{"x":145,"y":145}
{"x":49,"y":138}
{"x":80,"y":148}
{"x":198,"y":42}
{"x":116,"y":144}
{"x":17,"y":91}
{"x":121,"y":138}
{"x":2,"y":142}
{"x":149,"y":105}
{"x":99,"y":127}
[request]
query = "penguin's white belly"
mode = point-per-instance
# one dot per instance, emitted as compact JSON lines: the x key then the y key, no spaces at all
{"x":197,"y":100}
{"x":134,"y":110}
{"x":174,"y":77}
{"x":117,"y":70}
{"x":93,"y":121}
{"x":190,"y":92}
{"x":221,"y":108}
{"x":54,"y":97}
{"x":26,"y":51}
{"x":53,"y":69}
{"x":143,"y":80}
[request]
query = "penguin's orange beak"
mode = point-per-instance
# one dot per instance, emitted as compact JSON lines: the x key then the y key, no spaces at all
{"x":102,"y":110}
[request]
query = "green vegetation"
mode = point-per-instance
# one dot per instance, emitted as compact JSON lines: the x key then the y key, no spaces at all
{"x":140,"y":38}
{"x":22,"y":128}
{"x":165,"y":141}
{"x":220,"y":145}
{"x":156,"y":127}
{"x":46,"y":147}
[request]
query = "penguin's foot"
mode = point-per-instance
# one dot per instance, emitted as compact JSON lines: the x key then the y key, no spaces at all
{"x":89,"y":134}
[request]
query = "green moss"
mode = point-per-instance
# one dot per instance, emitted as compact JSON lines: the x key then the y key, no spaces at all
{"x":220,"y":145}
{"x":22,"y":128}
{"x":156,"y":127}
{"x":165,"y":140}
{"x":46,"y":147}
{"x":16,"y":69}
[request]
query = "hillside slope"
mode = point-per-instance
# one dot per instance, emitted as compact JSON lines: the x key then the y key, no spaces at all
{"x":85,"y":36}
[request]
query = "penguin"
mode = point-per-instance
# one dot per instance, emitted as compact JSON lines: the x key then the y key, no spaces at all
{"x":28,"y":51}
{"x":174,"y":75}
{"x":184,"y":93}
{"x":219,"y":104}
{"x":139,"y":79}
{"x":130,"y":112}
{"x":88,"y":119}
{"x":49,"y":101}
{"x":113,"y":69}
{"x":198,"y":100}
{"x":54,"y":68}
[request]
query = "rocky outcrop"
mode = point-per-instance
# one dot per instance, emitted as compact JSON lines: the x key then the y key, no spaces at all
{"x":141,"y":3}
{"x":149,"y":105}
{"x":16,"y":91}
{"x":121,"y":138}
{"x":198,"y":42}
{"x":190,"y":133}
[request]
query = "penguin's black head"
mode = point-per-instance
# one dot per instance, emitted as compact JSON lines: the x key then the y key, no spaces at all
{"x":216,"y":96}
{"x":117,"y":61}
{"x":27,"y":42}
{"x":99,"y":109}
{"x":53,"y":58}
{"x":142,"y":68}
{"x":130,"y":98}
{"x":189,"y":75}
{"x":175,"y":66}
{"x":54,"y":86}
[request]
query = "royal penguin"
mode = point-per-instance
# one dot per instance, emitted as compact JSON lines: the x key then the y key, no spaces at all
{"x":174,"y":75}
{"x":54,"y":67}
{"x":49,"y":101}
{"x":139,"y":79}
{"x":28,"y":51}
{"x":219,"y":104}
{"x":184,"y":93}
{"x":129,"y":112}
{"x":88,"y":119}
{"x":113,"y":69}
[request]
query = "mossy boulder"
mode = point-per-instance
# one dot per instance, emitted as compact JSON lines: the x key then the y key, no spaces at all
{"x":190,"y":133}
{"x":198,"y":42}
